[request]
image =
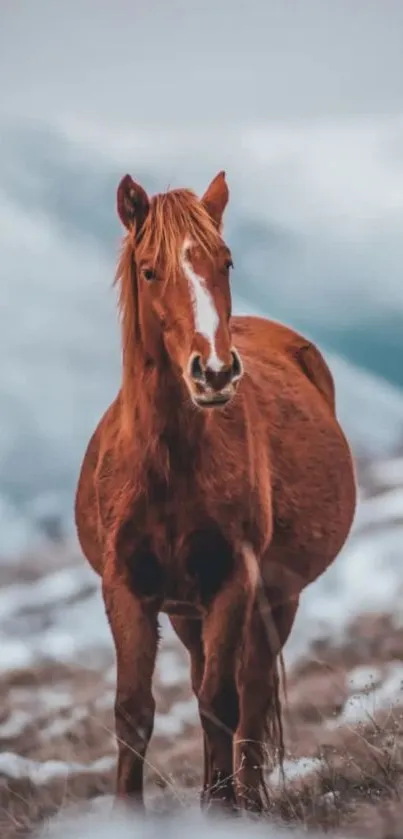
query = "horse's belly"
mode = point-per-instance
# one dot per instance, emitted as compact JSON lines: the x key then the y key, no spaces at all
{"x":313,"y":513}
{"x":182,"y":609}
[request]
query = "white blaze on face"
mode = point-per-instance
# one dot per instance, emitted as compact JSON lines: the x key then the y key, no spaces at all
{"x":204,"y":310}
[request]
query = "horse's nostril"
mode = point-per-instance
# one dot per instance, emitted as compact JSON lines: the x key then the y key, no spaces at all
{"x":196,"y":369}
{"x":236,"y":367}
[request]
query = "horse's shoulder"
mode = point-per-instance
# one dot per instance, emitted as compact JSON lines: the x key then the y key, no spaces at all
{"x":100,"y":446}
{"x":273,"y":339}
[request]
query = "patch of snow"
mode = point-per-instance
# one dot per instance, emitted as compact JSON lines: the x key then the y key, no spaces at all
{"x":50,"y":590}
{"x":296,"y":770}
{"x":363,"y":678}
{"x":16,"y":767}
{"x":15,"y":655}
{"x":15,"y":724}
{"x":174,"y":722}
{"x":367,"y":576}
{"x":71,"y":629}
{"x":172,"y":670}
{"x":35,"y":708}
{"x":361,"y":707}
{"x":55,"y":698}
{"x":61,"y":725}
{"x":105,"y":701}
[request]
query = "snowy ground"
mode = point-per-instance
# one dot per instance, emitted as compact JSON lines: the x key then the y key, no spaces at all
{"x":345,"y":671}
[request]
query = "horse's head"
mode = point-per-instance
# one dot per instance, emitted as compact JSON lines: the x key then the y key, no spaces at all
{"x":181,"y":268}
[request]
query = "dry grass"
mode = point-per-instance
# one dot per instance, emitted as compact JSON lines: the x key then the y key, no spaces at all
{"x":361,"y":775}
{"x":358,"y":790}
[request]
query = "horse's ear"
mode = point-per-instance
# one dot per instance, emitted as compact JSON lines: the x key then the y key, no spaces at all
{"x":215,"y":198}
{"x":132,"y":203}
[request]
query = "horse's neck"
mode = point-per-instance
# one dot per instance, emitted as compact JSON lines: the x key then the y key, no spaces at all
{"x":158,"y":414}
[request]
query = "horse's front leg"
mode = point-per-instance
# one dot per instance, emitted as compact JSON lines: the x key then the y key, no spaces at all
{"x":134,"y":628}
{"x":218,"y":698}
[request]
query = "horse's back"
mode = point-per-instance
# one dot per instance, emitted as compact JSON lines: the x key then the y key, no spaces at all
{"x":267,"y":343}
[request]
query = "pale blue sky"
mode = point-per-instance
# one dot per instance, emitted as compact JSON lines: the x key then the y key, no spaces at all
{"x":202,"y":60}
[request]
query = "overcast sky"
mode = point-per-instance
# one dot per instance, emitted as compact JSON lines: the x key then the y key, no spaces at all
{"x":203,"y":60}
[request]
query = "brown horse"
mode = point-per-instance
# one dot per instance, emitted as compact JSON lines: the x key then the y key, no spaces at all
{"x":216,"y":487}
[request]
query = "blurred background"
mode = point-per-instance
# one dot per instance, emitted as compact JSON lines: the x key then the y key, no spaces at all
{"x":300,"y":103}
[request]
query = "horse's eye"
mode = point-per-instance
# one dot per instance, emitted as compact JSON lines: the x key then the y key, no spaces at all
{"x":149,"y":274}
{"x":228,"y":264}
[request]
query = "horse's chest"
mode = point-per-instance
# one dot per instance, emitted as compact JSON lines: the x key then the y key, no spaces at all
{"x":180,"y":541}
{"x":190,"y":496}
{"x":170,"y":566}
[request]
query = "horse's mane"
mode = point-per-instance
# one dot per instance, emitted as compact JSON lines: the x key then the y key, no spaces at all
{"x":172,"y":217}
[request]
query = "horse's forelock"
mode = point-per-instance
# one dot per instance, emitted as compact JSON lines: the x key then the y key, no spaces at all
{"x":173,"y":217}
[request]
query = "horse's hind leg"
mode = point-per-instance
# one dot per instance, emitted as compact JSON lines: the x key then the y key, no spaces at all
{"x":135,"y":633}
{"x":189,"y":631}
{"x":265,"y":632}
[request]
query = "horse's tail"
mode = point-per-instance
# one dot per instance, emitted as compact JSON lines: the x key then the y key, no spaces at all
{"x":274,"y":720}
{"x":273,"y":741}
